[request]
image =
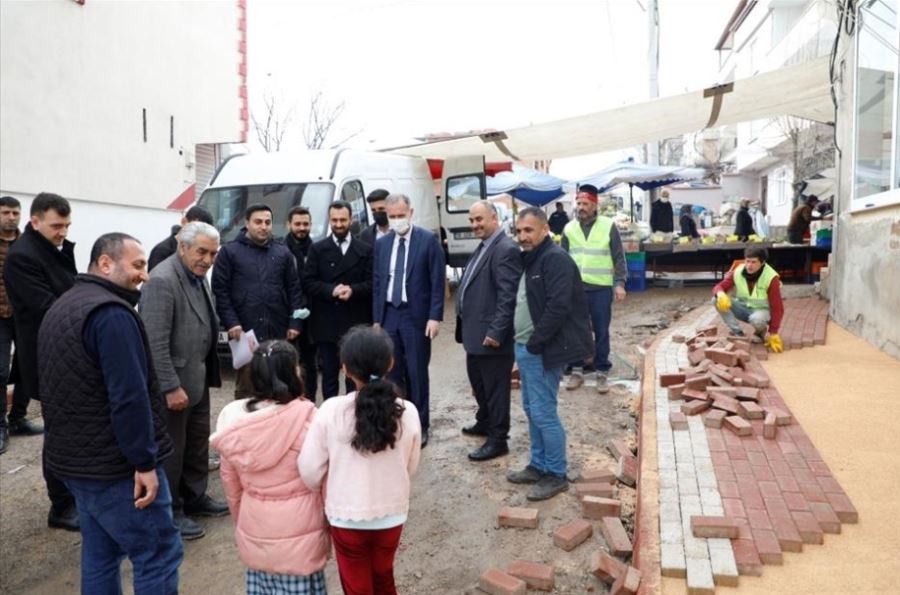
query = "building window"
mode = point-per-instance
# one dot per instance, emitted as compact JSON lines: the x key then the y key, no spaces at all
{"x":876,"y":167}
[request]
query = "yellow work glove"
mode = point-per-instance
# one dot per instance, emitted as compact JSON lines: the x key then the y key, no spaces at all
{"x":775,"y":343}
{"x":723,"y":302}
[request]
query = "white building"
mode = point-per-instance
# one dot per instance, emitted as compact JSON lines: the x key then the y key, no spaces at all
{"x":119,"y":107}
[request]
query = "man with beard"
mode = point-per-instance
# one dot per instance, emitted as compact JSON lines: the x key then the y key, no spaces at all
{"x":337,"y":279}
{"x":299,"y":224}
{"x":757,"y":299}
{"x":594,"y":244}
{"x":256,"y":287}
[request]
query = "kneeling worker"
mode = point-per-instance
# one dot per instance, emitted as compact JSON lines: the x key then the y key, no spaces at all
{"x":757,"y":298}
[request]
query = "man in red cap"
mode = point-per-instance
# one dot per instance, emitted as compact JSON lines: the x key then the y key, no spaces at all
{"x":594,"y":244}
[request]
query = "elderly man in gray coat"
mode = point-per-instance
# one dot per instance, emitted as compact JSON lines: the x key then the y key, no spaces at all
{"x":179,"y":315}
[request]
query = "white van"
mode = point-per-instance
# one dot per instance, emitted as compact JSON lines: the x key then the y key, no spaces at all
{"x":315,"y":179}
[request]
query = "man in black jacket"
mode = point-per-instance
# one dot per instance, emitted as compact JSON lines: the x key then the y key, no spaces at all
{"x":39,"y":268}
{"x":256,"y":287}
{"x":169,"y":246}
{"x":337,"y":279}
{"x":299,"y":224}
{"x":551,"y":329}
{"x":558,"y":219}
{"x":377,"y":200}
{"x":662,"y":218}
{"x":105,"y":415}
{"x":485,"y":302}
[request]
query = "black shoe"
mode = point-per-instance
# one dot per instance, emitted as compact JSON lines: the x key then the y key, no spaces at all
{"x":424,"y":438}
{"x":23,"y":427}
{"x":64,"y":519}
{"x":527,"y":475}
{"x":547,"y":487}
{"x":489,"y":450}
{"x":4,"y":439}
{"x":206,"y":506}
{"x":474,"y":430}
{"x":189,"y":529}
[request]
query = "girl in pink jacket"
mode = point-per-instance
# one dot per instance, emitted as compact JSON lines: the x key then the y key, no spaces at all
{"x":367,"y":444}
{"x":280,"y":525}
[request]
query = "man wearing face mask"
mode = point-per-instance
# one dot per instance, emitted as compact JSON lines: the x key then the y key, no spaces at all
{"x":662,"y":219}
{"x":337,"y":280}
{"x":256,"y":287}
{"x":379,"y":215}
{"x":299,"y":225}
{"x":408,"y":299}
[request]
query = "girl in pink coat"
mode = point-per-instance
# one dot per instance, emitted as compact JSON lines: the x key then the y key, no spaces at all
{"x":280,"y":525}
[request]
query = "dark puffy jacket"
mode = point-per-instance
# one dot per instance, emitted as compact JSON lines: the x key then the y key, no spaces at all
{"x":558,"y":306}
{"x":257,"y":287}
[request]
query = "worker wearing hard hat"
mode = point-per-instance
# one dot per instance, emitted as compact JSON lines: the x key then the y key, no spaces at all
{"x":757,"y":299}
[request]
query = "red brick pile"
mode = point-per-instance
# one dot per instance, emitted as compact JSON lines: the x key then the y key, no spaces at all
{"x":804,"y":323}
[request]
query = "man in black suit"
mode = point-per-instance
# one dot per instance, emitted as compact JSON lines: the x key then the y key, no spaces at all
{"x":337,"y":280}
{"x":377,"y":204}
{"x":299,"y":224}
{"x":485,"y":304}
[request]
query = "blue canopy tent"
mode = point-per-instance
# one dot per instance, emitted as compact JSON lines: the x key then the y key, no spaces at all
{"x":527,"y":185}
{"x":645,"y":177}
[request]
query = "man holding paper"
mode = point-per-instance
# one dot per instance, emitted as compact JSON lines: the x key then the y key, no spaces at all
{"x":256,"y":287}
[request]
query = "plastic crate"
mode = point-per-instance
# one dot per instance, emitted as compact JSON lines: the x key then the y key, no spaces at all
{"x":637,"y":276}
{"x":636,"y":256}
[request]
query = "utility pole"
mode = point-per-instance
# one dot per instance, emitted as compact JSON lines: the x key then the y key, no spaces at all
{"x":653,"y":87}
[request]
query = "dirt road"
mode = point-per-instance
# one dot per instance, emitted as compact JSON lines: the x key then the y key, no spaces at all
{"x":450,"y":536}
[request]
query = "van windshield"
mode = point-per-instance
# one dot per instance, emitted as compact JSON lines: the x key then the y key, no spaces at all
{"x":227,"y":206}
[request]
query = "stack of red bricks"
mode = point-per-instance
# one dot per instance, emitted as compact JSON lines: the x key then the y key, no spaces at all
{"x":720,"y":386}
{"x":804,"y":323}
{"x":596,"y":492}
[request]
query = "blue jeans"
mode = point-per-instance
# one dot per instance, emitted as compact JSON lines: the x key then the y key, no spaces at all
{"x":758,"y":319}
{"x":539,"y":389}
{"x":599,"y":302}
{"x":112,"y":528}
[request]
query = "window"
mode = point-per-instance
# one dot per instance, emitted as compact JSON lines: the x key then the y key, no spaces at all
{"x":877,"y":151}
{"x":353,"y":193}
{"x":463,"y":192}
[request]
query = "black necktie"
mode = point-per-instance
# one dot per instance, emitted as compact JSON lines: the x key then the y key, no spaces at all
{"x":399,"y":274}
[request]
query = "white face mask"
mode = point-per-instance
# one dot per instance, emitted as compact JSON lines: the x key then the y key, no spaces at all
{"x":399,"y":226}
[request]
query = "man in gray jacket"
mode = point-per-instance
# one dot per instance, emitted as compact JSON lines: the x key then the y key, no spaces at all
{"x":178,"y":313}
{"x":485,"y":303}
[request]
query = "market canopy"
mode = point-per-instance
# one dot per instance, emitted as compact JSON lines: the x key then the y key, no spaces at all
{"x":645,"y":177}
{"x":802,"y":90}
{"x":526,"y":184}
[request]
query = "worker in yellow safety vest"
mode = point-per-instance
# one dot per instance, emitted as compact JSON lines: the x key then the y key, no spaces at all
{"x":594,"y":244}
{"x":757,"y":299}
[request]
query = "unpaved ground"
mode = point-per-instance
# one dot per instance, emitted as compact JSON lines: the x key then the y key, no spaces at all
{"x":450,"y":537}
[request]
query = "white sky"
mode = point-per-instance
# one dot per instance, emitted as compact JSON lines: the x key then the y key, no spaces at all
{"x":409,"y":67}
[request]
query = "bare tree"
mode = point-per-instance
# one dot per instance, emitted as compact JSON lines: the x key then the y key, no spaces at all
{"x":270,"y":130}
{"x":809,"y":146}
{"x":320,"y":121}
{"x":709,"y":151}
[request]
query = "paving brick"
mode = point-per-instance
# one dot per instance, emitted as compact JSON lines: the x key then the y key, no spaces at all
{"x":677,"y":419}
{"x":671,"y":378}
{"x":618,"y":448}
{"x":769,"y":489}
{"x":738,"y":425}
{"x":595,"y":507}
{"x":782,"y":418}
{"x":693,"y":394}
{"x":597,"y":474}
{"x":767,"y":547}
{"x":627,"y":583}
{"x":627,"y":470}
{"x":518,"y":517}
{"x":700,"y":577}
{"x":788,"y":537}
{"x":693,"y":408}
{"x":675,"y":391}
{"x":732,"y":406}
{"x":497,"y":582}
{"x":825,"y":516}
{"x":695,"y":356}
{"x":572,"y":534}
{"x":718,"y":381}
{"x":607,"y":569}
{"x":714,"y":418}
{"x":796,"y":501}
{"x":770,"y":428}
{"x":843,"y":508}
{"x":819,"y":468}
{"x":759,"y":519}
{"x":746,"y":557}
{"x":671,"y":560}
{"x":721,"y":559}
{"x":808,"y":527}
{"x":734,"y":507}
{"x":616,"y":537}
{"x":602,"y":489}
{"x":536,"y":576}
{"x":720,"y":356}
{"x":777,"y":508}
{"x":711,"y":330}
{"x":722,"y":391}
{"x":678,"y":338}
{"x":750,"y":410}
{"x":812,"y":492}
{"x":747,"y":393}
{"x":697,"y":382}
{"x":830,"y":485}
{"x":712,"y":526}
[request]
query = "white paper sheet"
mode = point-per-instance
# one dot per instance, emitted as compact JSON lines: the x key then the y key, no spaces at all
{"x":242,"y":349}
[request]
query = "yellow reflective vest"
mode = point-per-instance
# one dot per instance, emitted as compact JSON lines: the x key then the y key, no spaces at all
{"x":592,"y":254}
{"x":759,"y":298}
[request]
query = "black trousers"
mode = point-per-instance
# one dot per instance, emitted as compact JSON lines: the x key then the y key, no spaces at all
{"x":490,"y":377}
{"x":188,"y":468}
{"x":307,"y":351}
{"x":330,"y":356}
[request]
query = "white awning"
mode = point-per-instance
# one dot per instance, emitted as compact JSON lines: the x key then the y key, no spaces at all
{"x":803,"y":90}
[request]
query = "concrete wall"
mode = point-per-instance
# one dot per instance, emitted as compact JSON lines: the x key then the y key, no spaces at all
{"x":76,"y":79}
{"x":864,"y":287}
